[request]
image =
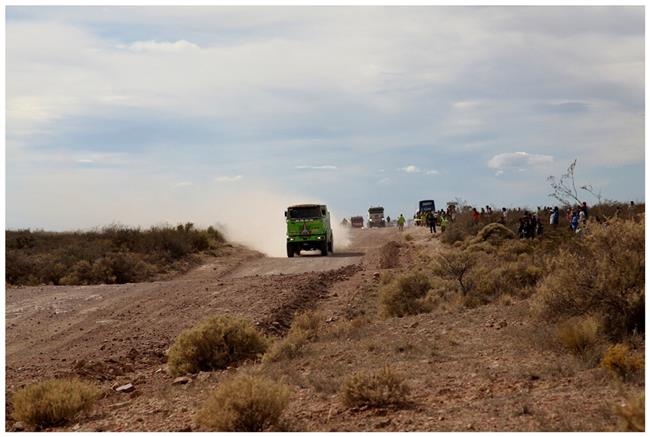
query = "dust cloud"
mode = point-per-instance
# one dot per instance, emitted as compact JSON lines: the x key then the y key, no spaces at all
{"x":250,"y":213}
{"x":256,"y":220}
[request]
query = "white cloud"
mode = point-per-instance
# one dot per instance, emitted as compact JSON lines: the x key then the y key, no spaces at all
{"x":410,"y":169}
{"x":164,"y":46}
{"x":436,"y":172}
{"x":316,"y":167}
{"x":235,"y":178}
{"x":183,"y":184}
{"x":466,"y":104}
{"x":384,"y":181}
{"x":85,"y":161}
{"x":518,"y":161}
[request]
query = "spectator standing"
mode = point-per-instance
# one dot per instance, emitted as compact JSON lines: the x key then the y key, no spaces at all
{"x":555,"y":216}
{"x":400,"y":222}
{"x":475,"y":216}
{"x":431,"y":222}
{"x":574,"y":221}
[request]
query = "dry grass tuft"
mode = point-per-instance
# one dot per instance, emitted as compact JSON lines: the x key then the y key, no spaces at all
{"x":245,"y":403}
{"x":286,"y":348}
{"x":305,"y":327}
{"x":214,"y":344}
{"x":408,"y":237}
{"x":308,"y":322}
{"x":382,"y":388}
{"x":632,"y":414}
{"x":53,"y":402}
{"x":623,"y":361}
{"x":580,"y":337}
{"x":405,"y":296}
{"x":346,"y":328}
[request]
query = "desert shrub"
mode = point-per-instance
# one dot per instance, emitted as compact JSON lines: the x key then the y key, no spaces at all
{"x":493,"y":279}
{"x":482,"y":246}
{"x":632,"y":414}
{"x":383,"y":388}
{"x":515,"y":247}
{"x":389,"y":255}
{"x":115,"y":254}
{"x":52,"y":402}
{"x":408,"y":237}
{"x":81,"y":274}
{"x":494,"y":233}
{"x":456,"y":265}
{"x":119,"y":268}
{"x":346,"y":328}
{"x":623,"y":361}
{"x":404,"y":296}
{"x":308,"y":322}
{"x":245,"y":403}
{"x":305,"y":327}
{"x":453,"y":234}
{"x":214,"y":344}
{"x":286,"y":348}
{"x":443,"y":293}
{"x":579,"y":336}
{"x":604,"y":274}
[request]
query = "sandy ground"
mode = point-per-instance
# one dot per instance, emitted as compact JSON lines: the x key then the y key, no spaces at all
{"x":468,"y":370}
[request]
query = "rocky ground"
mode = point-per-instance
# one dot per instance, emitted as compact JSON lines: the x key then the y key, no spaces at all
{"x":491,"y":368}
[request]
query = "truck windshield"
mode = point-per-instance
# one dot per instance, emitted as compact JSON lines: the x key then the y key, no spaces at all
{"x":376,"y":211}
{"x":305,"y":213}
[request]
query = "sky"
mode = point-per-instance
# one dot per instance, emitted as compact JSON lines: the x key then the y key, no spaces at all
{"x":147,"y":115}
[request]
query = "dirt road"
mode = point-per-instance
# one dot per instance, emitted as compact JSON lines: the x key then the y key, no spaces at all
{"x":49,"y":327}
{"x":482,"y":369}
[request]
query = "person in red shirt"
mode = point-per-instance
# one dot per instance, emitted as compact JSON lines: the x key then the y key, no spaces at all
{"x":475,"y":215}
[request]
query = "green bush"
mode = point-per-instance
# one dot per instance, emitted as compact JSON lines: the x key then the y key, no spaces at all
{"x":245,"y":403}
{"x":52,"y":402}
{"x":214,"y":344}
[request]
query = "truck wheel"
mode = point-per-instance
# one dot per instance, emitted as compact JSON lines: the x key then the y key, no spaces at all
{"x":323,"y":248}
{"x":290,"y":251}
{"x":330,"y":245}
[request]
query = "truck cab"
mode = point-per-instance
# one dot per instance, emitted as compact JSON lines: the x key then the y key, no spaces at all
{"x":376,"y":217}
{"x":357,"y":221}
{"x":308,"y":228}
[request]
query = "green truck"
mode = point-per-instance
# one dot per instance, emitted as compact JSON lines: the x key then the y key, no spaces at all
{"x":308,"y":228}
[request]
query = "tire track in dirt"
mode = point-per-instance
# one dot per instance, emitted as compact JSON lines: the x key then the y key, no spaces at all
{"x":305,"y":295}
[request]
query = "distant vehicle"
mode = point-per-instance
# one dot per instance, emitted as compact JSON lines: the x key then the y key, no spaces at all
{"x":425,"y":207}
{"x":356,"y":221}
{"x":376,"y":217}
{"x":308,"y":228}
